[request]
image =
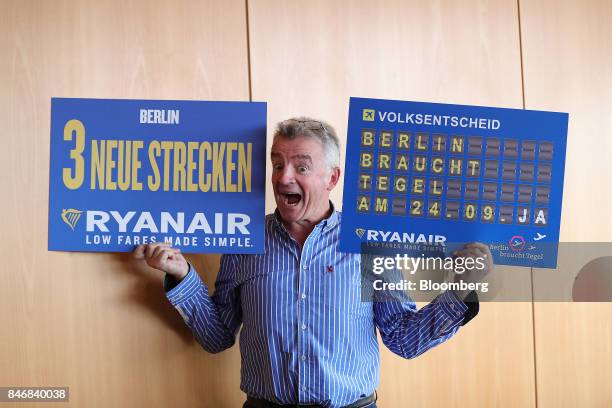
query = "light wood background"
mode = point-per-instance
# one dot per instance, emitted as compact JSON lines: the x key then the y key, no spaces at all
{"x":567,"y":54}
{"x":99,"y":323}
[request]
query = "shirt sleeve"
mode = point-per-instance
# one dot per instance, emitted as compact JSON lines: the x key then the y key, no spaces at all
{"x":213,"y":320}
{"x":409,"y":332}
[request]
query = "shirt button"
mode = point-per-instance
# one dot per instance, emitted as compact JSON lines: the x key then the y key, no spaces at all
{"x":305,"y":267}
{"x":303,"y":327}
{"x":303,"y":296}
{"x":303,"y":357}
{"x":303,"y":388}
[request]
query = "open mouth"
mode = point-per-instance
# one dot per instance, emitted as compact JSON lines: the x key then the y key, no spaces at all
{"x":291,"y":199}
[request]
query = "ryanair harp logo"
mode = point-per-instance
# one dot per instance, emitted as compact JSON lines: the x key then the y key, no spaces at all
{"x":360,"y":232}
{"x":71,"y":217}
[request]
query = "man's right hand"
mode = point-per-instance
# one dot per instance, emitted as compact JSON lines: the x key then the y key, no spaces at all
{"x":163,"y":257}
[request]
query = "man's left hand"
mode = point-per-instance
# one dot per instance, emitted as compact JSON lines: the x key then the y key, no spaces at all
{"x":483,"y":265}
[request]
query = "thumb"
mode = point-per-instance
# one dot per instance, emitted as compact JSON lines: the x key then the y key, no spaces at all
{"x":138,"y":252}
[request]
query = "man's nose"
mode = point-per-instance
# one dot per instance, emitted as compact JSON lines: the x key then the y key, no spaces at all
{"x":287,"y":176}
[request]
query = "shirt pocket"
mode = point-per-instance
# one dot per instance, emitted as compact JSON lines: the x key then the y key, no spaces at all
{"x":343,"y":291}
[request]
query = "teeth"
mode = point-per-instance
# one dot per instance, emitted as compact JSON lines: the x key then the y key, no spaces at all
{"x":291,"y":196}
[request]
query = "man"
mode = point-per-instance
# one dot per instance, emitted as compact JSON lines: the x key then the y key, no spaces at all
{"x":307,"y":337}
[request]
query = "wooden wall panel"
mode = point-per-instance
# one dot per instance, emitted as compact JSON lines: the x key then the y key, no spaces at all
{"x":567,"y":56}
{"x":309,"y":57}
{"x":97,"y":322}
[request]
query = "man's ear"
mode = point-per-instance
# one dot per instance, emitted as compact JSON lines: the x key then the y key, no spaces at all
{"x":333,"y":178}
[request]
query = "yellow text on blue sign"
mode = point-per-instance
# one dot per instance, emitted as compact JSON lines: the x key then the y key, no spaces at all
{"x":175,"y":165}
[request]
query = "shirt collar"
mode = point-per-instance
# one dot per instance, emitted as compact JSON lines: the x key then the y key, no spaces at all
{"x":332,"y":220}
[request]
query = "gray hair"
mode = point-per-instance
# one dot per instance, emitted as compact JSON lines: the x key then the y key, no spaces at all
{"x":308,"y":127}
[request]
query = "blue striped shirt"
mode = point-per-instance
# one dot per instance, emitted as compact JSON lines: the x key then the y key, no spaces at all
{"x":306,"y":336}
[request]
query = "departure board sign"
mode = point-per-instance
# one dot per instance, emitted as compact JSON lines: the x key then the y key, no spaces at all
{"x":129,"y":172}
{"x":422,"y":176}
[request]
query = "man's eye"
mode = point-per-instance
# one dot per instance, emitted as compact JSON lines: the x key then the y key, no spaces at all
{"x":277,"y":166}
{"x":302,"y":169}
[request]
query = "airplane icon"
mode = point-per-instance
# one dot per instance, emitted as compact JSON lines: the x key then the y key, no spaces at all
{"x":539,"y":237}
{"x":368,"y":115}
{"x":517,"y":243}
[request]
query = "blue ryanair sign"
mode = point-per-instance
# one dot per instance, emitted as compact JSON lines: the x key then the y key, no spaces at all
{"x":128,"y":172}
{"x":429,"y":177}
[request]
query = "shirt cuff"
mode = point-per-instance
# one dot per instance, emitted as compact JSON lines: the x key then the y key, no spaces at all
{"x":177,"y":292}
{"x":452,"y":306}
{"x":473,"y":307}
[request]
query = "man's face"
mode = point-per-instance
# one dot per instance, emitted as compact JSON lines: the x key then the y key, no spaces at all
{"x":300,"y":178}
